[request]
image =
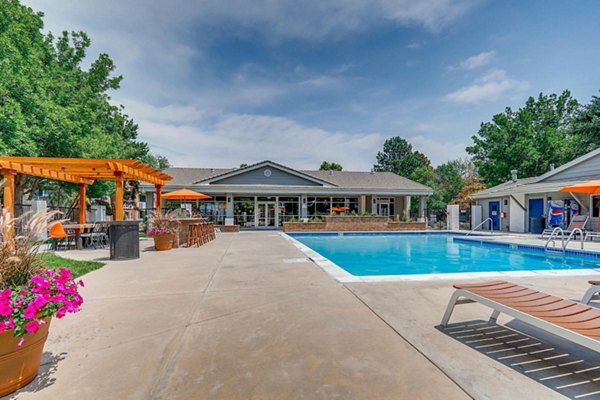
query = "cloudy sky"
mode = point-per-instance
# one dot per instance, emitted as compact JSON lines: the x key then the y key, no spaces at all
{"x":216,"y":83}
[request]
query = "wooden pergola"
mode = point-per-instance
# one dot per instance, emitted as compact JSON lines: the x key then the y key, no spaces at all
{"x":82,"y":171}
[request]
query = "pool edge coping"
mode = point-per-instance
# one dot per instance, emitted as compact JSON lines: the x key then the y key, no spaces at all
{"x":343,"y":276}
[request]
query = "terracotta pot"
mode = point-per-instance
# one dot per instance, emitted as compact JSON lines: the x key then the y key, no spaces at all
{"x":19,"y":365}
{"x":163,"y":242}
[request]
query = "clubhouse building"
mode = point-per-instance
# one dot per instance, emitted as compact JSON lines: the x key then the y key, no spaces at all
{"x":266,"y":194}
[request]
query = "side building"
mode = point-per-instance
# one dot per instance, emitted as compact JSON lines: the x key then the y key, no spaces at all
{"x":266,"y":194}
{"x":533,"y":204}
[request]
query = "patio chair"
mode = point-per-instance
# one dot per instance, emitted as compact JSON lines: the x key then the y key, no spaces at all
{"x":97,"y":237}
{"x":59,"y":235}
{"x":591,"y":292}
{"x":565,"y":318}
{"x":578,"y":221}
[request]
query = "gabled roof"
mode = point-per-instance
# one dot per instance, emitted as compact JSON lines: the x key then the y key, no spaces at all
{"x":266,"y":163}
{"x":334,"y":180}
{"x":538,"y":184}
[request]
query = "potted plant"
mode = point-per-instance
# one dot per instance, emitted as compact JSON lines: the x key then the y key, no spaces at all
{"x":163,"y":230}
{"x":30,"y":296}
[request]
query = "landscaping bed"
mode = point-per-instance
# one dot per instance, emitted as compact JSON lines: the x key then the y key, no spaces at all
{"x":77,"y":267}
{"x":337,"y":223}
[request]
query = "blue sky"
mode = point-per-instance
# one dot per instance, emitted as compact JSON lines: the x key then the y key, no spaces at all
{"x":214,"y":83}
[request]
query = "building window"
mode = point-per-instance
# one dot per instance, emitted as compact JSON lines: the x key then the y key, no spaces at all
{"x":243,"y":211}
{"x":213,"y":209}
{"x":289,"y":207}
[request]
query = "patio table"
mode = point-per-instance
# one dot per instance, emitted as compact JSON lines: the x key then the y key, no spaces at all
{"x":78,"y":229}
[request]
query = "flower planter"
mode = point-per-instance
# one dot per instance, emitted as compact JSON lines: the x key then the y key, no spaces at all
{"x":19,"y":365}
{"x":163,"y":242}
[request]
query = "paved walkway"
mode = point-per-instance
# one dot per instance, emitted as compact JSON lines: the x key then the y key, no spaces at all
{"x":243,"y":317}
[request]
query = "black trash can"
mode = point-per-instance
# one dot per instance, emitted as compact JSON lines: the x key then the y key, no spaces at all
{"x":124,"y":240}
{"x":536,"y":224}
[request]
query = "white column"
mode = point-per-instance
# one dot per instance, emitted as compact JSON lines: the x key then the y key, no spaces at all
{"x":407,"y":206}
{"x":304,"y":206}
{"x":229,"y":210}
{"x":422,"y":206}
{"x":276,"y":211}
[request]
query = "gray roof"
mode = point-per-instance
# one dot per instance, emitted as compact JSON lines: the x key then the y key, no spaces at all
{"x":366,"y":180}
{"x":342,"y":179}
{"x":549,"y":182}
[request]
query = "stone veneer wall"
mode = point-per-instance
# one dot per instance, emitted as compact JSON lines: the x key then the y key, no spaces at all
{"x":353,"y":224}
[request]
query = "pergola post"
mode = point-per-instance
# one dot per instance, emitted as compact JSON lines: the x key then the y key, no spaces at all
{"x":82,"y":203}
{"x":158,"y":198}
{"x":119,"y":192}
{"x":9,"y":191}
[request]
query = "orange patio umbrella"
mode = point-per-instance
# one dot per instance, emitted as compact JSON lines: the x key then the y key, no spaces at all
{"x":590,"y":187}
{"x":184,"y":194}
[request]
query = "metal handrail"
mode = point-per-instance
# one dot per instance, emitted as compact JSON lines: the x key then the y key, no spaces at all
{"x":553,"y":236}
{"x":573,"y":233}
{"x":481,"y":224}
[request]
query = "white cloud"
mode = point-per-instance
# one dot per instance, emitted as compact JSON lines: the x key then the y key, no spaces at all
{"x":489,"y":87}
{"x":476,"y":61}
{"x":438,"y":151}
{"x":227,"y":140}
{"x":414,"y":45}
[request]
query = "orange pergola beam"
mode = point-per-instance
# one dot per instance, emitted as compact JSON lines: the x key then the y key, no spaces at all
{"x":119,"y":192}
{"x":8,"y":201}
{"x":43,"y":172}
{"x":82,"y":203}
{"x":96,"y":168}
{"x":158,"y":198}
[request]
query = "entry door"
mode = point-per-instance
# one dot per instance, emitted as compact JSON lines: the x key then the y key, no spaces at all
{"x":383,"y":209}
{"x":494,"y":214}
{"x":265,"y":215}
{"x":536,"y":212}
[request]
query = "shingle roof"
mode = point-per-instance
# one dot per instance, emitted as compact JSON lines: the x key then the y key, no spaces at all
{"x":366,"y":180}
{"x":342,"y":179}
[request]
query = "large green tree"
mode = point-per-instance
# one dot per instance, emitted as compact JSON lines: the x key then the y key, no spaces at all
{"x":529,"y":139}
{"x":330,"y":166}
{"x":51,"y":106}
{"x":398,"y":157}
{"x":585,"y":128}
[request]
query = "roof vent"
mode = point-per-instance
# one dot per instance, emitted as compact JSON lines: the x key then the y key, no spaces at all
{"x":372,"y":170}
{"x":330,"y":172}
{"x":514,"y":175}
{"x":212,"y":170}
{"x":552,"y":167}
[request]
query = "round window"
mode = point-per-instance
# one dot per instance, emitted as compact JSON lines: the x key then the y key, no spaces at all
{"x":267,"y":172}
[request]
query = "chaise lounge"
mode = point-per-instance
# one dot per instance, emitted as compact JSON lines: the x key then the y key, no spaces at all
{"x":578,"y":222}
{"x":565,"y":318}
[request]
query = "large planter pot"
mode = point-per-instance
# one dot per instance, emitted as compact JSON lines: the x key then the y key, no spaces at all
{"x":163,"y":242}
{"x":19,"y":365}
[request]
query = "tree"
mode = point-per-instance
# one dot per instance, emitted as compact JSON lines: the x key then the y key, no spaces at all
{"x":330,"y":166}
{"x":471,"y":185}
{"x":243,"y":165}
{"x":529,"y":139}
{"x":51,"y":106}
{"x":398,"y":157}
{"x":585,"y":128}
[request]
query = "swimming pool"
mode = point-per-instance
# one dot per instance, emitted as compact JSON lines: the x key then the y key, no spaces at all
{"x":411,"y":254}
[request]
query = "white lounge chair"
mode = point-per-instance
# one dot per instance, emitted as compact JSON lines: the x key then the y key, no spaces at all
{"x":591,"y":292}
{"x":565,"y":318}
{"x":578,"y":221}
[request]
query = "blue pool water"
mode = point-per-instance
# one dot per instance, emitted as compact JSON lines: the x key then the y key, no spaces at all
{"x":401,"y":254}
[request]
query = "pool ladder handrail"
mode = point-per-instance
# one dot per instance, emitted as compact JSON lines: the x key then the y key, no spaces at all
{"x":481,"y":224}
{"x":555,"y":232}
{"x":573,"y":234}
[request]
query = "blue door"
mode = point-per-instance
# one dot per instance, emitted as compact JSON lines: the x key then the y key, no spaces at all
{"x":536,"y":214}
{"x":494,"y":214}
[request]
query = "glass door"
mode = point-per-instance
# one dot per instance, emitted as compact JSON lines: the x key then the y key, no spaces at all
{"x":265,"y":215}
{"x":383,"y":208}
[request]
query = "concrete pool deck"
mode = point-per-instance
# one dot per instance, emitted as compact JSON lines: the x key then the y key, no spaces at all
{"x":247,"y":316}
